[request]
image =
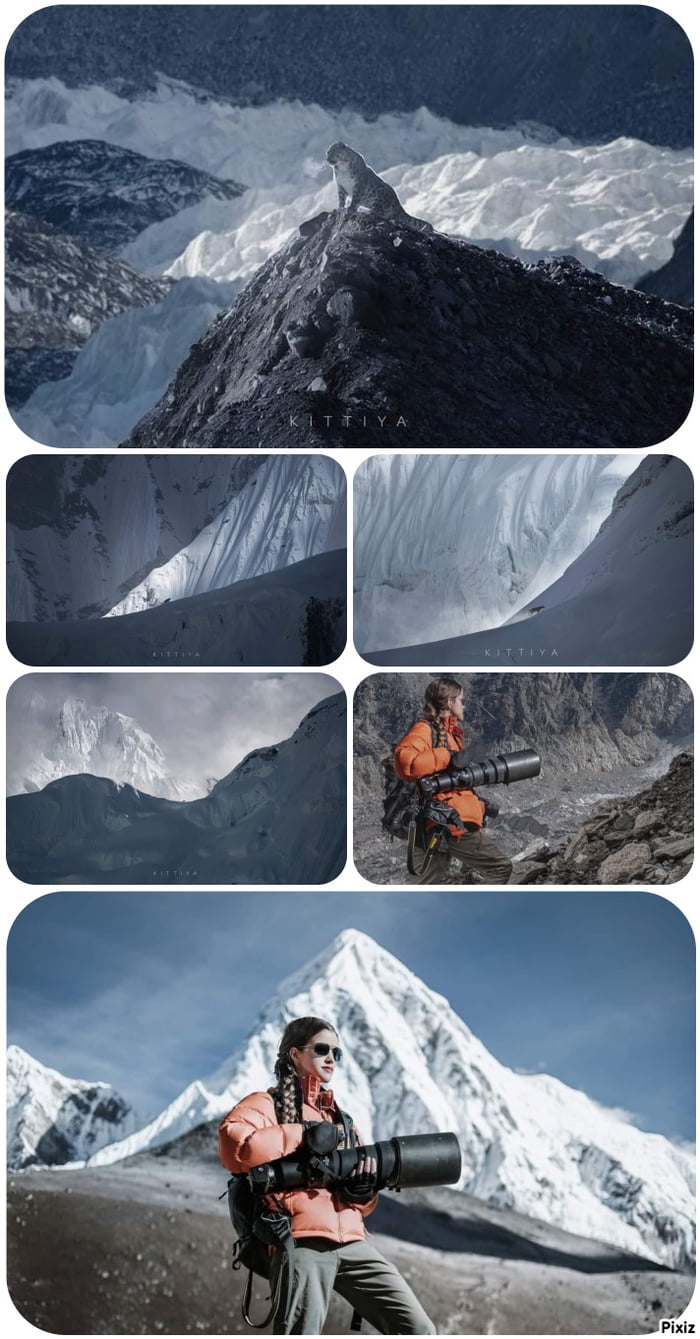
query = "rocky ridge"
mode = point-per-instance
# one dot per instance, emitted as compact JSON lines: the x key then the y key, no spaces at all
{"x":599,"y":736}
{"x":57,"y":291}
{"x":365,"y":332}
{"x":645,"y":838}
{"x":103,"y":193}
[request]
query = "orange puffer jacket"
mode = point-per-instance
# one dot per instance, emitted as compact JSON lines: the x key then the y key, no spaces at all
{"x":415,"y":756}
{"x":251,"y":1134}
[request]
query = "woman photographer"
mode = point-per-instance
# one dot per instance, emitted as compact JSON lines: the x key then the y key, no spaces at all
{"x":331,"y":1249}
{"x":436,"y":744}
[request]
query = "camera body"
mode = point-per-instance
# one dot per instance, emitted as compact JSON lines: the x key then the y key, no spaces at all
{"x":502,"y":770}
{"x":407,"y":1160}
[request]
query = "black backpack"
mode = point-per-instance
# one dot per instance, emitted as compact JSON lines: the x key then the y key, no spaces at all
{"x":402,"y":802}
{"x":406,"y":812}
{"x":260,"y":1224}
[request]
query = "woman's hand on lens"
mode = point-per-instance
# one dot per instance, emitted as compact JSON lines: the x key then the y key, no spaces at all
{"x":361,"y":1184}
{"x":459,"y":760}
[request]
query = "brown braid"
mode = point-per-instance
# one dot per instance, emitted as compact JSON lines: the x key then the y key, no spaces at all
{"x":437,"y":700}
{"x":287,"y":1095}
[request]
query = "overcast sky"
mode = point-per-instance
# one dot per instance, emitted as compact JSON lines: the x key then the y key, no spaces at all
{"x":204,"y":723}
{"x":152,"y":990}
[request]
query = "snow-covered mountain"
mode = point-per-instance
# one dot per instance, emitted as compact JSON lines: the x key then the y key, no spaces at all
{"x":625,"y":599}
{"x":290,"y":509}
{"x":459,"y":542}
{"x":103,"y":193}
{"x":626,"y":596}
{"x":295,"y":615}
{"x":103,"y":743}
{"x":279,"y":817}
{"x":84,"y":536}
{"x":57,"y":291}
{"x":616,"y":205}
{"x":52,"y":1120}
{"x":410,"y":1065}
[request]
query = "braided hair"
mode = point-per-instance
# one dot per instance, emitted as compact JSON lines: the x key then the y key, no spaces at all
{"x":286,"y":1094}
{"x":438,"y":695}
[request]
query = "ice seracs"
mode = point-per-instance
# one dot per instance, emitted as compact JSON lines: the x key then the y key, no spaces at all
{"x":290,"y":509}
{"x":448,"y":545}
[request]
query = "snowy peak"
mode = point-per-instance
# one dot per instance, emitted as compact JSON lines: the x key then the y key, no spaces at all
{"x":411,"y":1065}
{"x":103,"y":743}
{"x":279,"y":817}
{"x":52,"y":1120}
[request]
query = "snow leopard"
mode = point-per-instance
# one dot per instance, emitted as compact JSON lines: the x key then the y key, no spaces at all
{"x":359,"y":187}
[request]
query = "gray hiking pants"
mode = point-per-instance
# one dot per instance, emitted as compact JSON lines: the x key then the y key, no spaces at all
{"x":358,"y":1273}
{"x":477,"y":852}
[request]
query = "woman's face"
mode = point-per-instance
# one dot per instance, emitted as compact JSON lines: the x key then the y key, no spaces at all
{"x":306,"y":1061}
{"x":455,"y":705}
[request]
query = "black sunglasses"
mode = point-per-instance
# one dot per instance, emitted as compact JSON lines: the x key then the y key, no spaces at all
{"x":323,"y":1048}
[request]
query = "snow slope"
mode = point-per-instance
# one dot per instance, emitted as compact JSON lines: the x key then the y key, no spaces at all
{"x":292,"y":616}
{"x":529,"y":1142}
{"x":626,"y":599}
{"x":279,"y":817}
{"x":104,"y":743}
{"x":129,"y":532}
{"x":85,"y":530}
{"x":290,"y":509}
{"x":53,"y":1120}
{"x":448,"y":542}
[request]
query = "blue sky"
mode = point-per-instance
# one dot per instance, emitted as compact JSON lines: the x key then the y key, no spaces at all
{"x":151,"y":990}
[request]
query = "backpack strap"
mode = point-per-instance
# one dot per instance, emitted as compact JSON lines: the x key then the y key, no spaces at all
{"x":432,"y":840}
{"x":351,"y":1139}
{"x":281,"y":1297}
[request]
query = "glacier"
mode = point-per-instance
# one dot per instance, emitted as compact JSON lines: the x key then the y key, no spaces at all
{"x":122,"y":370}
{"x":620,"y":594}
{"x":122,"y":533}
{"x":447,"y":542}
{"x":621,"y":203}
{"x":529,"y":1142}
{"x":616,"y":207}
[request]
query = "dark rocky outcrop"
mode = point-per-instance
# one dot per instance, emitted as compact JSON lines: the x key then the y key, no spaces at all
{"x":597,"y":734}
{"x":103,"y":193}
{"x":645,"y":838}
{"x":674,"y":281}
{"x":364,"y":332}
{"x":58,"y":291}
